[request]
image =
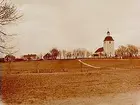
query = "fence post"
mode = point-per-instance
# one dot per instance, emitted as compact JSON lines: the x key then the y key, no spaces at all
{"x":131,"y":63}
{"x":81,"y":67}
{"x":9,"y":67}
{"x":37,"y":66}
{"x":115,"y":67}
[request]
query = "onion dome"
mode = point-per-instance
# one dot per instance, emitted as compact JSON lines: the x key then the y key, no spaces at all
{"x":108,"y":38}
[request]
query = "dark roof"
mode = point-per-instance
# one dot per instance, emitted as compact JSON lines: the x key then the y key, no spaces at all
{"x":99,"y":50}
{"x":108,"y":38}
{"x":9,"y":56}
{"x":30,"y":55}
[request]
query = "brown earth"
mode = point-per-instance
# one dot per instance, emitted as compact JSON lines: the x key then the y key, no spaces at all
{"x":35,"y":82}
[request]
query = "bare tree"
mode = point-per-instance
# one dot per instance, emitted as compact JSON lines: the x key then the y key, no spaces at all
{"x":121,"y":51}
{"x":8,"y":14}
{"x":69,"y":55}
{"x":64,"y":54}
{"x":127,"y":51}
{"x":88,"y":54}
{"x":60,"y":54}
{"x":54,"y":53}
{"x":9,"y":58}
{"x":132,"y":50}
{"x":80,"y":53}
{"x":74,"y":54}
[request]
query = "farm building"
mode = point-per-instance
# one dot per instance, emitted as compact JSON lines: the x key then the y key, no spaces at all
{"x":30,"y":57}
{"x":47,"y":56}
{"x":9,"y":58}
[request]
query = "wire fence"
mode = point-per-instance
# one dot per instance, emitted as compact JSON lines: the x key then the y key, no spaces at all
{"x":67,"y":66}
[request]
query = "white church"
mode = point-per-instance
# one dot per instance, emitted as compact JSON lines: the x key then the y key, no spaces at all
{"x":108,"y":47}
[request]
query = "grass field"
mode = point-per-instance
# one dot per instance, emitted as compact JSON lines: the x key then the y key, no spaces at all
{"x":36,"y":82}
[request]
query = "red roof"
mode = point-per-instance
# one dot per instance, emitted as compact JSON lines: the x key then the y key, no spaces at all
{"x":99,"y":50}
{"x":9,"y":56}
{"x":108,"y":38}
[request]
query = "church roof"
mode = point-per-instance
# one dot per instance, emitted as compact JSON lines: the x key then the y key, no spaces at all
{"x":99,"y":50}
{"x":108,"y":38}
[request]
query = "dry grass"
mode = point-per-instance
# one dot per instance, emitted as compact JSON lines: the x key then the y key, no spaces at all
{"x":30,"y":87}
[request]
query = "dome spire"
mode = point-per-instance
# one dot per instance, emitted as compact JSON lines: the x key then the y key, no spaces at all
{"x":108,"y":33}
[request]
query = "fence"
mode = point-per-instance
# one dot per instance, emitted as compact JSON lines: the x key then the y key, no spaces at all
{"x":52,"y":66}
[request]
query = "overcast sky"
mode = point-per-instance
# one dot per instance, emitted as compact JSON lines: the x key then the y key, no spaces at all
{"x":68,"y":24}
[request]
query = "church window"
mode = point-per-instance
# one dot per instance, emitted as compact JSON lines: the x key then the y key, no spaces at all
{"x":109,"y":42}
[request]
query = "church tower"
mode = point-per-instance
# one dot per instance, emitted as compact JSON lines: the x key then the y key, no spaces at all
{"x":108,"y":45}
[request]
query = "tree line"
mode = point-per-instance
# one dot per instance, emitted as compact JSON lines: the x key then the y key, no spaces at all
{"x":127,"y":51}
{"x":64,"y":54}
{"x":121,"y":52}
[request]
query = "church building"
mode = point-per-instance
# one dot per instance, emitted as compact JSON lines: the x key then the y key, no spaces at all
{"x":108,"y":47}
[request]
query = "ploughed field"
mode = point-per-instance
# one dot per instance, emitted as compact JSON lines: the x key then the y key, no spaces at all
{"x":36,"y":82}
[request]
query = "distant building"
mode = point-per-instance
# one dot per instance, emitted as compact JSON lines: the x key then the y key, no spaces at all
{"x":47,"y":56}
{"x":108,"y":47}
{"x":9,"y":58}
{"x":99,"y":51}
{"x":30,"y":57}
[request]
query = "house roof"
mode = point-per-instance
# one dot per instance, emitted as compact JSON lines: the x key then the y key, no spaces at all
{"x":99,"y":50}
{"x":30,"y":55}
{"x":9,"y":56}
{"x":48,"y":54}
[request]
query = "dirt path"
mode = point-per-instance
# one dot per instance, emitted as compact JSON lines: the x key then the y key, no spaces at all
{"x":89,"y":65}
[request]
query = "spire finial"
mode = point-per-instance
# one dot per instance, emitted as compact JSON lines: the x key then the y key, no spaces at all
{"x":108,"y":33}
{"x":107,"y":29}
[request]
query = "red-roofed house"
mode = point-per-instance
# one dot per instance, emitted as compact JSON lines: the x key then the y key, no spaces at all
{"x":100,"y":51}
{"x":30,"y":57}
{"x":47,"y":56}
{"x":9,"y":58}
